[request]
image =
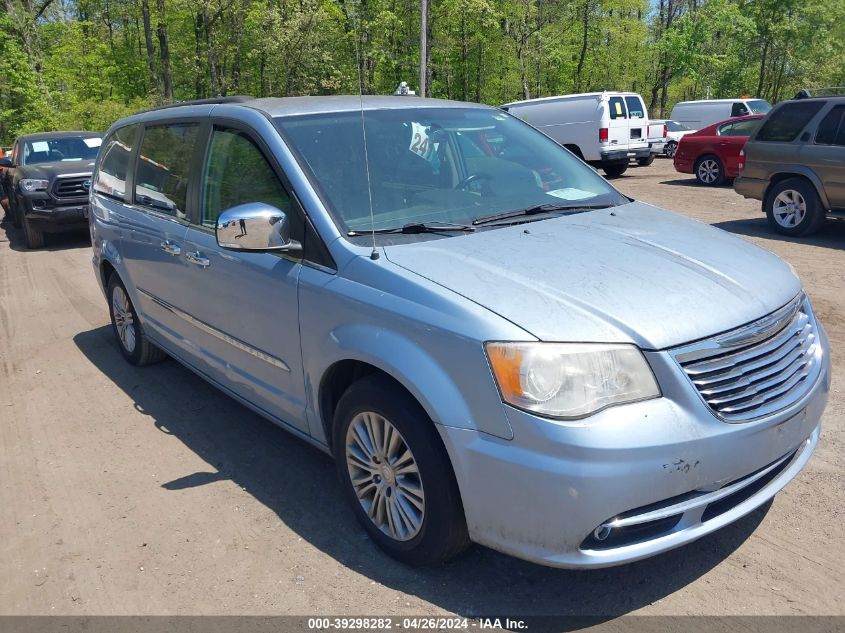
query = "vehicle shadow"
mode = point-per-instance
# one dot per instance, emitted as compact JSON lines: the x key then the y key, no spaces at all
{"x":297,"y":482}
{"x":52,"y":241}
{"x":831,"y":235}
{"x":692,"y":182}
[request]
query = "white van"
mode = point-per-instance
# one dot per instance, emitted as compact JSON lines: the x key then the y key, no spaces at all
{"x":698,"y":114}
{"x":606,"y":129}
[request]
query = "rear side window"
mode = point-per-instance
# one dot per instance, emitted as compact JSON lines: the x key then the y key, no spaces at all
{"x":238,"y":173}
{"x":785,"y":124}
{"x":635,"y":107}
{"x":114,"y":162}
{"x":739,"y":128}
{"x":831,"y":130}
{"x":617,"y":108}
{"x":163,"y":167}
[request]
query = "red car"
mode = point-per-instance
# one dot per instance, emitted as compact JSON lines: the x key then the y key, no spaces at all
{"x":712,"y":153}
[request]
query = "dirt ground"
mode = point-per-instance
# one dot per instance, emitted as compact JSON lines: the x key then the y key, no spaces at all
{"x":146,"y":491}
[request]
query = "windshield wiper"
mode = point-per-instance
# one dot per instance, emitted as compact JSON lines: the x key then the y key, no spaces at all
{"x":537,"y":209}
{"x":417,"y":227}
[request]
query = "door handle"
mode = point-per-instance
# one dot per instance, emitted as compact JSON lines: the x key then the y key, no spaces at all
{"x":170,"y":248}
{"x":199,"y":260}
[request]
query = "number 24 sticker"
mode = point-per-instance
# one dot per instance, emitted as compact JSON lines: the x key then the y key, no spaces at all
{"x":419,"y":140}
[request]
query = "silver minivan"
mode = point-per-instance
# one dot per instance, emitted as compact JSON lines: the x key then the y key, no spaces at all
{"x":494,"y":344}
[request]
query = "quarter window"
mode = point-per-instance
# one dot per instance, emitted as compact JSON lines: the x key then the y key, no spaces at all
{"x":163,"y":167}
{"x":827,"y":132}
{"x":237,"y":173}
{"x":785,"y":124}
{"x":114,"y":163}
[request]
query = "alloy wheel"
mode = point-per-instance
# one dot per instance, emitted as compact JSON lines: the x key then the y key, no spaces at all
{"x":123,"y":319}
{"x":708,"y":171}
{"x":385,"y":476}
{"x":789,"y":208}
{"x":671,"y":148}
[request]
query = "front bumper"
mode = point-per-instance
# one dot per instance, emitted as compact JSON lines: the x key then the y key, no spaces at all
{"x":542,"y":495}
{"x":55,"y":215}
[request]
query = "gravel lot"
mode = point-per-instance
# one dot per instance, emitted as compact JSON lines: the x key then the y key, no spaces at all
{"x":146,"y":491}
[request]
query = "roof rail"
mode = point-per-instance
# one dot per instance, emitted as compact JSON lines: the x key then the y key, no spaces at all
{"x":209,"y":101}
{"x":834,"y":91}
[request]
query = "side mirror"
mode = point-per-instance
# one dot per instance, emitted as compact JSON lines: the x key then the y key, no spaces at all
{"x":255,"y":226}
{"x":6,"y":162}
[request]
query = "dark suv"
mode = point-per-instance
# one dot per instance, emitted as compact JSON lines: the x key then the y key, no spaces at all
{"x":795,"y":164}
{"x":47,"y":180}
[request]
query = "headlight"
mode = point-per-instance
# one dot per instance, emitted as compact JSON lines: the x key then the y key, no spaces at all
{"x":570,"y":380}
{"x":33,"y":184}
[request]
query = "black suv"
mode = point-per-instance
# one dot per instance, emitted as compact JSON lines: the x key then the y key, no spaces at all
{"x":47,"y":180}
{"x":795,"y":164}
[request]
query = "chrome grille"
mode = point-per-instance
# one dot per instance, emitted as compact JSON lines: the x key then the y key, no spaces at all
{"x":70,"y":187}
{"x":758,"y":369}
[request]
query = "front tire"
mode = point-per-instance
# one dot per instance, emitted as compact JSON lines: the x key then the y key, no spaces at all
{"x":16,"y":211}
{"x":33,"y":235}
{"x":396,"y":474}
{"x":793,"y":208}
{"x":136,"y":348}
{"x":709,"y":171}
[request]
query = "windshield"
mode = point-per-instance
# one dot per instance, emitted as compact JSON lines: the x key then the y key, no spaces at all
{"x":437,"y":165}
{"x":758,"y":106}
{"x":674,"y":126}
{"x":61,"y":149}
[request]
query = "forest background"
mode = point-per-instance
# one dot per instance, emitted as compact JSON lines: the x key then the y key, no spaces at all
{"x":81,"y":64}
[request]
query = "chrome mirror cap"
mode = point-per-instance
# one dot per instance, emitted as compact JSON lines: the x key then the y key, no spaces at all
{"x":255,"y":226}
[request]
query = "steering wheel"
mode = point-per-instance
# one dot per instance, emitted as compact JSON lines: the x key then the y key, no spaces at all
{"x":466,"y":182}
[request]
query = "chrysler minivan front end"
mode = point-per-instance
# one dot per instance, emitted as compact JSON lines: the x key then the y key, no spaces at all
{"x":698,"y":443}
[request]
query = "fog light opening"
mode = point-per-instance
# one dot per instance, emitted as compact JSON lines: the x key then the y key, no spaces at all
{"x":602,"y":532}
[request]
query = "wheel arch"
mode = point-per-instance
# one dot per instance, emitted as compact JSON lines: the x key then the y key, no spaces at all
{"x":575,"y":150}
{"x":360,"y":350}
{"x":798,"y":171}
{"x":106,"y":271}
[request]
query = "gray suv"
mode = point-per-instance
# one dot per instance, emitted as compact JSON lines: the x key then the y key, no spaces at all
{"x":494,"y":344}
{"x":795,"y":164}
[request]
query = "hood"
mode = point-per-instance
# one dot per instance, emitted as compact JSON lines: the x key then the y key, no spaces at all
{"x":58,"y":168}
{"x":632,"y":273}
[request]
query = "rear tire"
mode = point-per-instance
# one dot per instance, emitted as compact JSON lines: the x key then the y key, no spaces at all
{"x":709,"y":171}
{"x":793,"y":208}
{"x":405,"y":494}
{"x":614,"y":171}
{"x":670,"y":149}
{"x":136,"y":348}
{"x":33,"y":235}
{"x":645,"y":162}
